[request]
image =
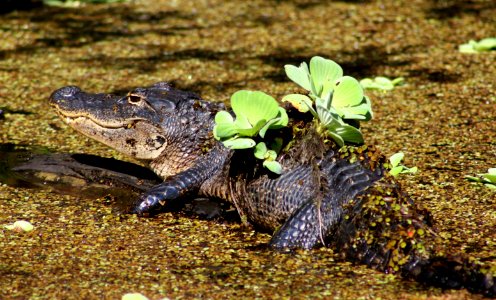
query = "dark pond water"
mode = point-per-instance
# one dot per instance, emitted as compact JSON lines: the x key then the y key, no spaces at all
{"x":443,"y":118}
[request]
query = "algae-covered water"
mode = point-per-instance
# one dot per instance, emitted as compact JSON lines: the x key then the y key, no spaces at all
{"x":443,"y":119}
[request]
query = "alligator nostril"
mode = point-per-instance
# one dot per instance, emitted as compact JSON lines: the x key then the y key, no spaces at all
{"x":162,"y":86}
{"x":69,"y":91}
{"x":64,"y":93}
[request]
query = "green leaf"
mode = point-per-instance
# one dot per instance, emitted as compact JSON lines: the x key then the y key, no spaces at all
{"x":347,"y":92}
{"x":367,"y":83}
{"x":370,"y":114}
{"x":350,"y":134}
{"x":398,"y":81}
{"x":411,"y":170}
{"x":223,"y":117}
{"x":485,"y":44}
{"x":472,"y":46}
{"x":324,"y":103}
{"x":275,"y":123}
{"x":281,"y":120}
{"x":352,"y":113}
{"x":251,"y":131}
{"x":491,"y":186}
{"x":301,"y":102}
{"x":273,"y":166}
{"x":20,"y":226}
{"x":338,"y":139}
{"x":253,"y":106}
{"x":362,"y":111}
{"x":468,"y":47}
{"x":490,"y":177}
{"x":396,"y":171}
{"x":383,"y":83}
{"x":260,"y":150}
{"x":264,"y":129}
{"x":396,"y":158}
{"x":472,"y":178}
{"x":326,"y":118}
{"x":299,"y":75}
{"x":224,"y":130}
{"x":322,"y":72}
{"x":271,"y":155}
{"x":242,"y":122}
{"x":239,"y":143}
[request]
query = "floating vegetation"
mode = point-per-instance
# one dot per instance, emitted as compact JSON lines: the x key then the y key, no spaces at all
{"x":397,"y":168}
{"x":256,"y":112}
{"x":488,"y":179}
{"x":134,"y":296}
{"x":381,"y":83}
{"x":483,"y":45}
{"x":336,"y":101}
{"x":20,"y":226}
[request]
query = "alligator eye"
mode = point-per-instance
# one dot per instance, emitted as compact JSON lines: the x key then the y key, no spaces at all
{"x":133,"y":99}
{"x":156,"y":142}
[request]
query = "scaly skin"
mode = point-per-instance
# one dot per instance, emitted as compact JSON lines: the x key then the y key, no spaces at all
{"x":339,"y":198}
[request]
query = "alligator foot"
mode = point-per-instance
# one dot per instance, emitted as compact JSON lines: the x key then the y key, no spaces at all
{"x":157,"y":197}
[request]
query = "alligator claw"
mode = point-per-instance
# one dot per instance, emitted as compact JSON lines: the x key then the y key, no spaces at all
{"x":155,"y":199}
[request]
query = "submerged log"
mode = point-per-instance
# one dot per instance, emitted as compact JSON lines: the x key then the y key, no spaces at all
{"x":89,"y":176}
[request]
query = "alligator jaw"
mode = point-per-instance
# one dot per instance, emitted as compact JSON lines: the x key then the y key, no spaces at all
{"x":72,"y":104}
{"x":73,"y":118}
{"x":138,"y":139}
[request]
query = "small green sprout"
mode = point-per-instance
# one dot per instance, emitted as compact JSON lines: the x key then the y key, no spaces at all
{"x":488,"y":179}
{"x":336,"y":98}
{"x":20,"y":226}
{"x":269,"y":156}
{"x":134,"y":296}
{"x":256,"y":112}
{"x":381,"y":83}
{"x":483,"y":45}
{"x":397,"y":168}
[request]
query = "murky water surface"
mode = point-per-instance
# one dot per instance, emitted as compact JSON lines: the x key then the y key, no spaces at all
{"x":443,"y":119}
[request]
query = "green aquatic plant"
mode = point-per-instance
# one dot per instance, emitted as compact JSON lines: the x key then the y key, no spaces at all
{"x":381,"y":83}
{"x":337,"y":102}
{"x":269,"y":156}
{"x":397,"y":168}
{"x":333,"y":99}
{"x":134,"y":296}
{"x":20,"y":226}
{"x":483,"y":45}
{"x":488,"y":179}
{"x":256,"y":112}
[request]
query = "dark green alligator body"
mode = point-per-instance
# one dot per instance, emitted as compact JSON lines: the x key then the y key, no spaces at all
{"x":341,"y":198}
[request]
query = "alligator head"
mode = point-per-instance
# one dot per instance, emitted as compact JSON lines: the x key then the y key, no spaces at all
{"x":143,"y":124}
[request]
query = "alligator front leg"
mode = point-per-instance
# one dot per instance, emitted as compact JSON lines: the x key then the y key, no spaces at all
{"x":183,"y":184}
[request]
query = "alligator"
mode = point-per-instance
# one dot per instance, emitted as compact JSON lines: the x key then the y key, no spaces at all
{"x":326,"y":196}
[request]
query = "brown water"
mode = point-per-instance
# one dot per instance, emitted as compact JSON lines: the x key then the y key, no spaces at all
{"x":444,"y":119}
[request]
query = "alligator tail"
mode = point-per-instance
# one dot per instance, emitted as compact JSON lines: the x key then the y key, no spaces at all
{"x":387,"y":231}
{"x":452,"y":273}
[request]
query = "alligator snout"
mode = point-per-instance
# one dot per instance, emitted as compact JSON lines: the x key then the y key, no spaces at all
{"x":65,"y":93}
